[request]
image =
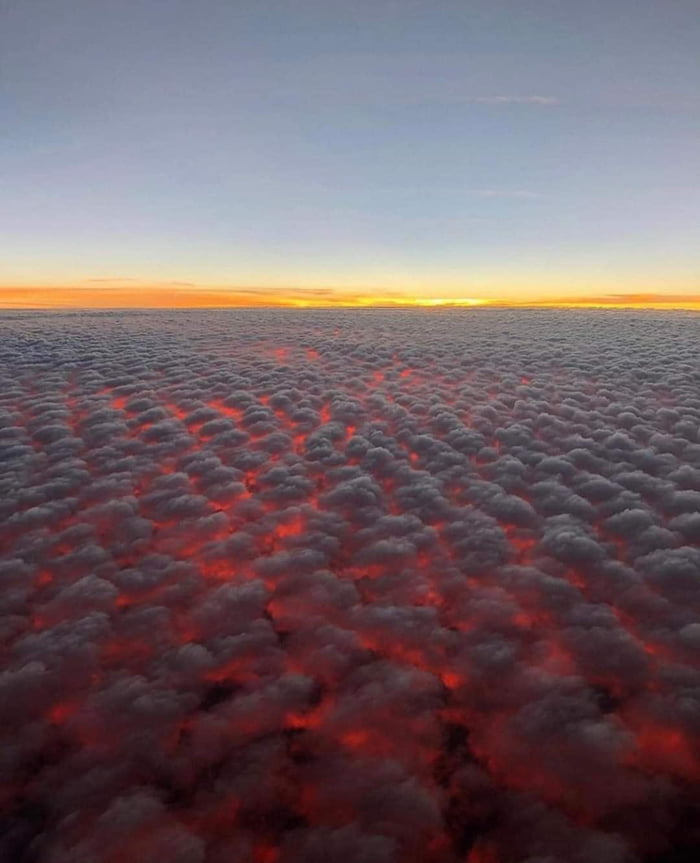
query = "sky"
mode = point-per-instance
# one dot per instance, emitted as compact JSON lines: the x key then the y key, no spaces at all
{"x":363,"y":151}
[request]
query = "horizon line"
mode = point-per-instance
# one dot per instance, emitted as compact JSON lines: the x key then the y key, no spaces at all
{"x":496,"y":305}
{"x":135,"y":294}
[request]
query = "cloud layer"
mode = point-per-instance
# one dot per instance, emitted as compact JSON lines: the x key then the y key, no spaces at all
{"x":366,"y":587}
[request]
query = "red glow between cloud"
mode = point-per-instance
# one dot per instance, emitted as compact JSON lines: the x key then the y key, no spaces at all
{"x":386,"y":610}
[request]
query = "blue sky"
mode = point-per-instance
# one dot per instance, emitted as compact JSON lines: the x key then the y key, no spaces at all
{"x":458,"y":148}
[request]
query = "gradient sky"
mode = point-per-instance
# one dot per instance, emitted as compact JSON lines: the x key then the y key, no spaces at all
{"x":433,"y":148}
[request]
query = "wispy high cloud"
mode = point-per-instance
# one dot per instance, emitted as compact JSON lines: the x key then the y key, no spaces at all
{"x":505,"y":193}
{"x":516,"y":100}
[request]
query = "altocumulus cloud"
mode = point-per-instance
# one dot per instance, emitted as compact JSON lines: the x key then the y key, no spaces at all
{"x":366,"y":587}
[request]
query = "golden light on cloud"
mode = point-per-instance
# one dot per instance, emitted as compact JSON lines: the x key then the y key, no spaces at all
{"x":118,"y":293}
{"x":446,"y":301}
{"x":690,"y":302}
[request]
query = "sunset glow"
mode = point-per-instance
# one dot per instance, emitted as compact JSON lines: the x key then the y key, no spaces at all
{"x":360,"y":153}
{"x":183,"y":297}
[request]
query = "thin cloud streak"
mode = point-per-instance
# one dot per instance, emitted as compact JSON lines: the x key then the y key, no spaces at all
{"x":517,"y":100}
{"x":505,"y":193}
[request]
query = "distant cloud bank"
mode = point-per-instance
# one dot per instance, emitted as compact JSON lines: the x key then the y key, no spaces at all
{"x":132,"y":293}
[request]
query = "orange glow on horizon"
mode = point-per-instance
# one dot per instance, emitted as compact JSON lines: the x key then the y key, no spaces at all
{"x":178,"y":295}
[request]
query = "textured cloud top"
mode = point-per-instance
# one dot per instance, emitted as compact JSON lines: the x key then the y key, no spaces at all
{"x":350,"y":586}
